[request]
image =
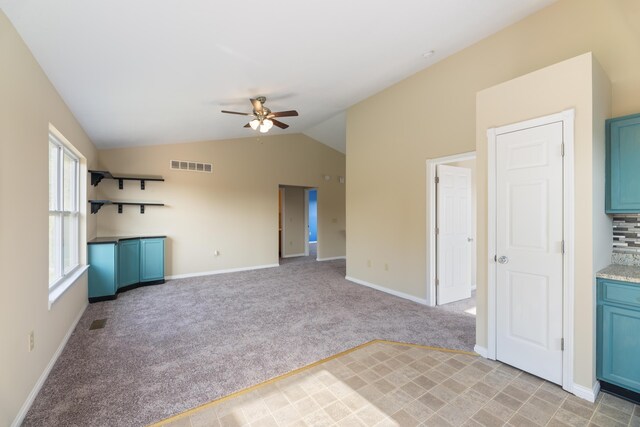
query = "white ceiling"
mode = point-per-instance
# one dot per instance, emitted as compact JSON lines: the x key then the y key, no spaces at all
{"x":159,"y":71}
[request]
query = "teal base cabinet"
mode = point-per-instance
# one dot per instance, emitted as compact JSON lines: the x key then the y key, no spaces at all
{"x":151,"y":259}
{"x":119,"y":264}
{"x":618,"y":338}
{"x":128,"y":263}
{"x":622,"y":193}
{"x":103,"y":270}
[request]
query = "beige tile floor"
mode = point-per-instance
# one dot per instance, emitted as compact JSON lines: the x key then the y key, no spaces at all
{"x":392,"y":384}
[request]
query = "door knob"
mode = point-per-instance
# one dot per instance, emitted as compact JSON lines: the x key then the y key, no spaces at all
{"x":469,"y":239}
{"x":503,"y":260}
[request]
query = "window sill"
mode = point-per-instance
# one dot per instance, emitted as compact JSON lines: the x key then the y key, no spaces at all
{"x":66,"y":284}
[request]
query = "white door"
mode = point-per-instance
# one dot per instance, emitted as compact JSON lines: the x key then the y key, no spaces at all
{"x":453,"y":238}
{"x":529,"y":250}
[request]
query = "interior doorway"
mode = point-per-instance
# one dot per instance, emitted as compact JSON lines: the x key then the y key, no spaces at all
{"x":311,"y":214}
{"x":530,"y":239}
{"x":297,"y":224}
{"x":451,"y":218}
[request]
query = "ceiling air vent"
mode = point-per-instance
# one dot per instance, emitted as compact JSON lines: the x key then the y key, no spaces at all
{"x":191,"y":166}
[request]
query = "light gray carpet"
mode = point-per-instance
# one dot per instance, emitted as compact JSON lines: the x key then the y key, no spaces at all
{"x":462,"y":306}
{"x":172,"y":347}
{"x":313,"y":255}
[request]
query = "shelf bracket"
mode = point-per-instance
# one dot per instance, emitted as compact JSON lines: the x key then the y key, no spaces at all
{"x":95,"y":207}
{"x":119,"y":208}
{"x":120,"y":184}
{"x":142,"y":184}
{"x":142,"y":208}
{"x":96,"y":178}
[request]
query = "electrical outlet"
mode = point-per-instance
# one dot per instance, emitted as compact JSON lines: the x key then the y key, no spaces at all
{"x":32,"y":341}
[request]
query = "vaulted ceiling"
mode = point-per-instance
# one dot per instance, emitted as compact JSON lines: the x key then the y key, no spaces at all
{"x":159,"y":71}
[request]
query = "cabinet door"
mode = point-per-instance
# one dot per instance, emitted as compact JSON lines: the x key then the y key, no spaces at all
{"x":623,"y":158}
{"x":128,"y":262}
{"x":620,"y":346}
{"x":151,"y":259}
{"x":103,"y":265}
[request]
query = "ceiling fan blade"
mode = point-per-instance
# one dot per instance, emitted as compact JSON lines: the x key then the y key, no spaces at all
{"x":235,"y":112}
{"x":289,"y":113}
{"x":247,"y":125}
{"x":257,"y":105}
{"x":279,"y":124}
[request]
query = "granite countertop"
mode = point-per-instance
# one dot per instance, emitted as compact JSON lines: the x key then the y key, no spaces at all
{"x":116,"y":239}
{"x":625,"y":273}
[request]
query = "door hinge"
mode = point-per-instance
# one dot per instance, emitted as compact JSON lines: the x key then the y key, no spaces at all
{"x":562,"y":150}
{"x":495,"y":258}
{"x":437,"y":230}
{"x":562,"y":246}
{"x":561,"y":344}
{"x":437,"y":281}
{"x":437,"y":180}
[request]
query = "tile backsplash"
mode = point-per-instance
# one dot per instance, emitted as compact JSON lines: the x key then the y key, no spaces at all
{"x":626,"y":233}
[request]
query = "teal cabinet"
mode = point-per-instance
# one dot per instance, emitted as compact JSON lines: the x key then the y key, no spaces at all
{"x":118,"y":264}
{"x":622,"y":165}
{"x":103,"y":267}
{"x":128,"y":262}
{"x":151,"y":259}
{"x":618,"y":335}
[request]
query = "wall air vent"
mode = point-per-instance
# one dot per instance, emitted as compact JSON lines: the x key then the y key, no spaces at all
{"x":191,"y":166}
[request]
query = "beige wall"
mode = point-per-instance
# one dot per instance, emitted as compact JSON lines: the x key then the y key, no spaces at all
{"x":294,"y":222}
{"x":551,"y":90}
{"x":234,"y":210}
{"x":28,"y":103}
{"x":389,"y":225}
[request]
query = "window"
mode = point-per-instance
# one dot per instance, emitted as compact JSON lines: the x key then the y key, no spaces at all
{"x":64,"y":215}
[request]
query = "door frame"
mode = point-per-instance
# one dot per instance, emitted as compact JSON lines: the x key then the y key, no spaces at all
{"x":567,"y":118}
{"x":431,"y":218}
{"x":306,"y":221}
{"x":282,"y":223}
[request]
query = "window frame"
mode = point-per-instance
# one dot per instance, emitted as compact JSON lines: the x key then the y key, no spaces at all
{"x":58,"y":210}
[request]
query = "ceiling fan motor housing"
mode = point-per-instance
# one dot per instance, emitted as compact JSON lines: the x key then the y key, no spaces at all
{"x":263,"y":116}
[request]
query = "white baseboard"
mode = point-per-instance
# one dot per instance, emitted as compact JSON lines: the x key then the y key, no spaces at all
{"x":229,"y":270}
{"x":387,"y":290}
{"x":331,"y":258}
{"x":586,"y":393}
{"x":43,"y":377}
{"x":482,"y":351}
{"x":293,"y":256}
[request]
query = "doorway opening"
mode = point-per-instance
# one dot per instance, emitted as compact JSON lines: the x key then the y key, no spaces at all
{"x":451,"y":232}
{"x":311,"y":204}
{"x":297,"y":224}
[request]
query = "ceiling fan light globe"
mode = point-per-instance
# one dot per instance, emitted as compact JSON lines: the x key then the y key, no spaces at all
{"x":254,"y":124}
{"x":268,"y":124}
{"x":263,"y":129}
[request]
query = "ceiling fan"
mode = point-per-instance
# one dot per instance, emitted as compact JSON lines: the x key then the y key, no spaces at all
{"x":262,"y":117}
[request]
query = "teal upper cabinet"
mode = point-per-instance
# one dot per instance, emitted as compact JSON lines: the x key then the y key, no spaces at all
{"x":129,"y":262}
{"x":151,"y":259}
{"x":623,"y":165}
